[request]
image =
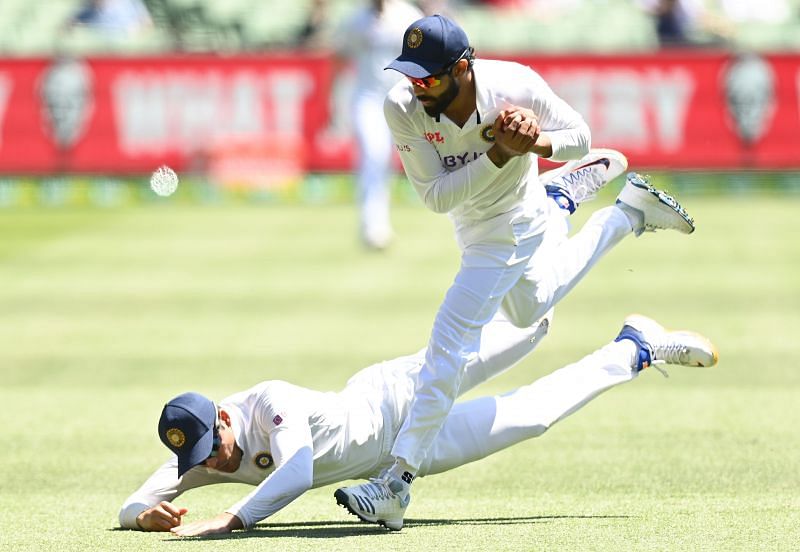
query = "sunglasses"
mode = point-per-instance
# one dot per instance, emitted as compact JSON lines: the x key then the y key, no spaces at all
{"x":216,"y":442}
{"x":427,"y":82}
{"x":436,"y":79}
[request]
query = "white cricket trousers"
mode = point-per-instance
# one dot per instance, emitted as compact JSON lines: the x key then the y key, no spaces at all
{"x":480,"y":427}
{"x":375,"y":146}
{"x":526,"y":274}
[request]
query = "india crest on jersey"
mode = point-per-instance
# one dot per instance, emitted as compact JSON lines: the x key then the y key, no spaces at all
{"x":263,"y":460}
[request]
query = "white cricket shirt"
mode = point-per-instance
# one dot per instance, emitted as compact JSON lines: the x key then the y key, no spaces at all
{"x":292,"y":439}
{"x":446,"y":164}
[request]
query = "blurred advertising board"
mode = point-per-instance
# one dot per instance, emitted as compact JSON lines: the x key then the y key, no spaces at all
{"x":272,"y":117}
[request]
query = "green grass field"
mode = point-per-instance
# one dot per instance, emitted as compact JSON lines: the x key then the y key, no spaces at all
{"x":106,"y":314}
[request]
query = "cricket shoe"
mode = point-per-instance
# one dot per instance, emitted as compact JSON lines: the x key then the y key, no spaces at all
{"x":651,"y":209}
{"x":659,"y":346}
{"x":377,"y":237}
{"x":578,"y":181}
{"x":382,"y":501}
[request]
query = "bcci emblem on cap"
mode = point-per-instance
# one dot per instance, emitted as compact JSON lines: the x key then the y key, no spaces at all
{"x":186,"y":427}
{"x":176,"y":437}
{"x":414,"y":39}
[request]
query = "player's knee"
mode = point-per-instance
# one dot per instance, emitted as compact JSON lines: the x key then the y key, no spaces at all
{"x":529,"y":319}
{"x":538,"y":430}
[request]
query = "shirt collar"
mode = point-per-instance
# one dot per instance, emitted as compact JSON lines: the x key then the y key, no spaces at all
{"x":483,"y":98}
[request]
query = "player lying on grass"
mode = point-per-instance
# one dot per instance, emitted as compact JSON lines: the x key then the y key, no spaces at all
{"x":286,"y":439}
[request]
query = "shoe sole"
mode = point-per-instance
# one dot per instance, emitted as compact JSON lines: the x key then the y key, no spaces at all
{"x":343,"y":500}
{"x":640,"y":322}
{"x":663,"y":199}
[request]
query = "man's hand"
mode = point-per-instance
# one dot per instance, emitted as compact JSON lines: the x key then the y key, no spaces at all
{"x":161,"y":517}
{"x":223,"y":523}
{"x":517,"y":132}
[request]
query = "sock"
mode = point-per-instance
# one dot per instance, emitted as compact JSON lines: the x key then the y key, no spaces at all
{"x":635,"y":217}
{"x":402,"y":473}
{"x":630,"y":350}
{"x":561,"y":199}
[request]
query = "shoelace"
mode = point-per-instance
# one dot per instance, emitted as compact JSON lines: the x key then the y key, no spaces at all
{"x":583,"y":184}
{"x":674,"y":353}
{"x":377,"y":489}
{"x":661,"y":370}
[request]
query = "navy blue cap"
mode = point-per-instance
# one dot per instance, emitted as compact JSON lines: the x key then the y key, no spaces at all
{"x":186,"y":427}
{"x":430,"y":44}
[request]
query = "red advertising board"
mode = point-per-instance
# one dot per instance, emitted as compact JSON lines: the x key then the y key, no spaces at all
{"x":288,"y":112}
{"x":687,"y":110}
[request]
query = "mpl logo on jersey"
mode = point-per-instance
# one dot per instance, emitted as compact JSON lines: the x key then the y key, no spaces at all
{"x":434,"y":137}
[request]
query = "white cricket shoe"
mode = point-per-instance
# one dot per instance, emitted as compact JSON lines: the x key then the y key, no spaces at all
{"x":580,"y":180}
{"x":376,"y":237}
{"x":382,"y":501}
{"x":660,"y":346}
{"x":653,"y":209}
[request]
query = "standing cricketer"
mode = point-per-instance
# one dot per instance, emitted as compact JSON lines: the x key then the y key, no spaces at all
{"x":469,"y":133}
{"x":371,"y":38}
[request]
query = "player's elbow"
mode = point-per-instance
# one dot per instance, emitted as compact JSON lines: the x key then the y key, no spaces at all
{"x":438,"y":208}
{"x":305,"y":482}
{"x":301,"y":467}
{"x":585,"y":139}
{"x":434,"y":203}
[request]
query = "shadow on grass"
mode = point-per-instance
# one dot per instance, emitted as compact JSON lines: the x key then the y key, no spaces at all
{"x":341,"y":529}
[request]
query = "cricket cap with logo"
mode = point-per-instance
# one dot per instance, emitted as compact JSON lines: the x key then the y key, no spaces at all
{"x":430,"y":44}
{"x":186,"y":427}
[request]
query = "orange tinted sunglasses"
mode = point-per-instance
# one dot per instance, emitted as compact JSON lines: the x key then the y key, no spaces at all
{"x":426,"y":82}
{"x":435,"y":80}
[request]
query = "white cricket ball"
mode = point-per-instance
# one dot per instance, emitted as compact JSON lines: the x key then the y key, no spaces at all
{"x":164,"y":181}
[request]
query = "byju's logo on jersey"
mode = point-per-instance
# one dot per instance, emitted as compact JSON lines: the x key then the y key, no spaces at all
{"x":487,"y":133}
{"x":434,"y":137}
{"x":457,"y":161}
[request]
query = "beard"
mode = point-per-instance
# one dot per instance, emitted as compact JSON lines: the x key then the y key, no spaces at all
{"x":443,"y":101}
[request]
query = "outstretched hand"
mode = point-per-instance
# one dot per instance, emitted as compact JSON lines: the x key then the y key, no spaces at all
{"x":223,"y":523}
{"x":161,"y":517}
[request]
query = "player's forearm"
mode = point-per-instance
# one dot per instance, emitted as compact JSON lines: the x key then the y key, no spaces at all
{"x":498,"y":156}
{"x":448,"y":190}
{"x":233,"y":522}
{"x":569,"y":143}
{"x":285,"y":484}
{"x":543,"y":147}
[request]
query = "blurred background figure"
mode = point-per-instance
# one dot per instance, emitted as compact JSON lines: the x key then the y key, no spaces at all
{"x":112,"y":17}
{"x":311,"y":34}
{"x":685,"y":22}
{"x":370,"y":38}
{"x":763,"y":11}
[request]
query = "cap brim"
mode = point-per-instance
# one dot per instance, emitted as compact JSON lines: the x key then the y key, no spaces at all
{"x":415,"y":68}
{"x":198,"y":454}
